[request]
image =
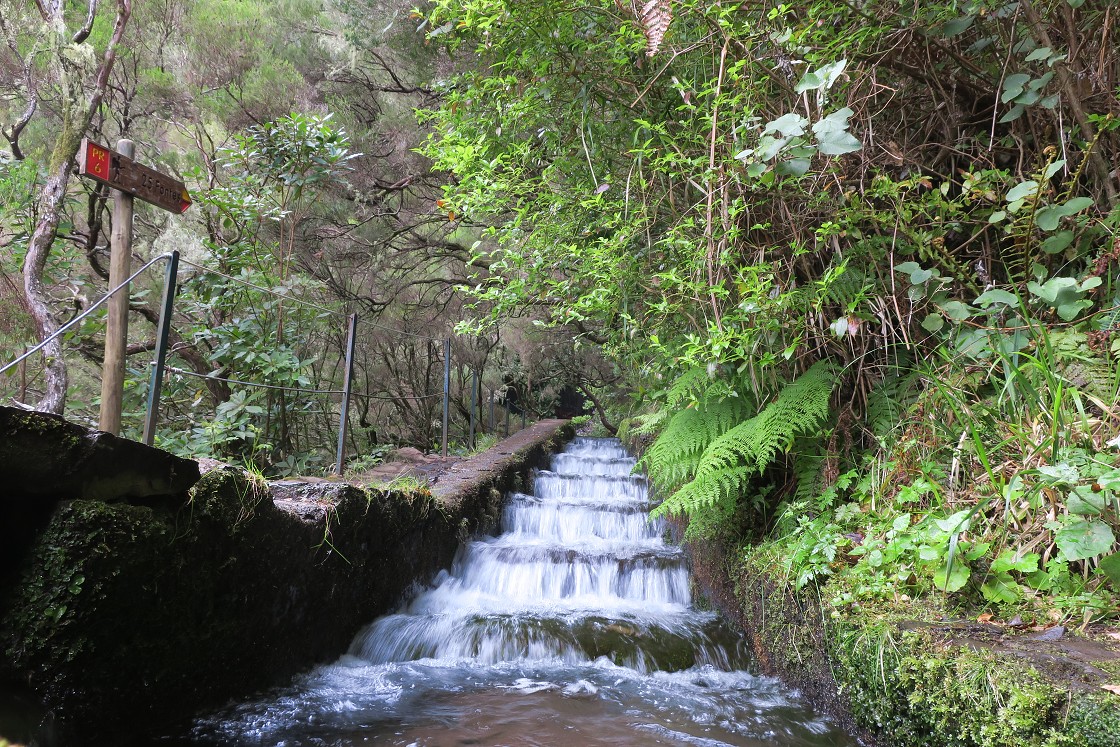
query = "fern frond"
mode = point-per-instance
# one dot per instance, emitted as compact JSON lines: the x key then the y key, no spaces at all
{"x":724,"y":471}
{"x":672,"y":458}
{"x":713,"y":407}
{"x":799,"y":408}
{"x":714,"y":488}
{"x":655,"y":17}
{"x":689,"y":386}
{"x":808,"y":467}
{"x":889,"y":400}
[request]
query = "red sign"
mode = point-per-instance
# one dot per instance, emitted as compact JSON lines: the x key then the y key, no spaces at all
{"x":121,"y":172}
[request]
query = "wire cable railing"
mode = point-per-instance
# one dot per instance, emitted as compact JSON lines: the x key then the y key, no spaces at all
{"x":159,"y":366}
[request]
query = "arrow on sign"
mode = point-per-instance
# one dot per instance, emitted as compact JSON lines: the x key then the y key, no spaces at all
{"x":121,"y":172}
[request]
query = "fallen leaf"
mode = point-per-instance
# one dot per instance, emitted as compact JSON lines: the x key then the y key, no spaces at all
{"x":1114,"y":689}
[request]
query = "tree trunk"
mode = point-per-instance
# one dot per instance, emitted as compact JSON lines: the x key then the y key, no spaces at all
{"x":77,"y":112}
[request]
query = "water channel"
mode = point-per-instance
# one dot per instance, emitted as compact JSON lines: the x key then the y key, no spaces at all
{"x":573,"y":627}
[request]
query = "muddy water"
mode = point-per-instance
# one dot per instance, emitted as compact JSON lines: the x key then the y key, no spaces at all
{"x":573,"y":627}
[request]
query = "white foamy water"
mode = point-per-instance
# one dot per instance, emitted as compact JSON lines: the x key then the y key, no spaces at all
{"x":574,"y":626}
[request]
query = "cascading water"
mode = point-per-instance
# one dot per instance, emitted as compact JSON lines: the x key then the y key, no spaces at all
{"x":574,"y":626}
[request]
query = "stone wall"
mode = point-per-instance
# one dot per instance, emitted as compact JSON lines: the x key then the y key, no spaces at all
{"x":127,"y":617}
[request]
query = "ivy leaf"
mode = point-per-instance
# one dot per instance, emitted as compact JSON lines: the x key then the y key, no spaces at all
{"x":1080,"y":539}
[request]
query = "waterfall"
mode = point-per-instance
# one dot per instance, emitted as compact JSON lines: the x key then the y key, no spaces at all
{"x":575,"y":625}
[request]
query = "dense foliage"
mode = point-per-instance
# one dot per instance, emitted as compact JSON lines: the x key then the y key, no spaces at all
{"x":922,"y":197}
{"x":850,"y":268}
{"x":292,"y":123}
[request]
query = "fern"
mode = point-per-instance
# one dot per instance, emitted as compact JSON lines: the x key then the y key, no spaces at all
{"x":808,"y":468}
{"x":713,"y":408}
{"x":655,"y":17}
{"x":724,"y":471}
{"x":889,"y":400}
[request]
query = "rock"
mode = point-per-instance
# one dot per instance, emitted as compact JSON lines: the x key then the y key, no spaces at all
{"x":45,"y":455}
{"x":409,"y":455}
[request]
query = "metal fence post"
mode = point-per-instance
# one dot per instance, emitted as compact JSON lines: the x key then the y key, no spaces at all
{"x":446,"y":389}
{"x":474,"y":403}
{"x":492,"y":412}
{"x":348,"y":377}
{"x":162,"y":335}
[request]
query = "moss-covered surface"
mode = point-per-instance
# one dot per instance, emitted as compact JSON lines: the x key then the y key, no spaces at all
{"x":899,"y":676}
{"x":125,"y":620}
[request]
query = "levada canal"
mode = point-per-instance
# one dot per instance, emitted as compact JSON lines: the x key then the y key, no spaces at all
{"x":573,"y":627}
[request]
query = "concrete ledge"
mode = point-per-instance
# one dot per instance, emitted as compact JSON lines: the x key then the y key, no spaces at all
{"x":125,"y":620}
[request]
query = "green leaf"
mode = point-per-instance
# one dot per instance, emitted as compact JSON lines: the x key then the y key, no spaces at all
{"x":997,"y":295}
{"x":790,"y":125}
{"x":1022,"y":190}
{"x":1048,"y":217}
{"x":1077,"y":204}
{"x":957,"y":311}
{"x":1040,"y":53}
{"x":822,"y":78}
{"x":1110,"y":566}
{"x":1062,"y":473}
{"x":954,"y":579}
{"x":958,"y":522}
{"x":1079,"y":540}
{"x":1001,"y":588}
{"x":957,"y":26}
{"x":793,"y":167}
{"x":1009,"y":561}
{"x":933,"y":323}
{"x":1013,"y":113}
{"x":1084,"y":502}
{"x":1058,"y":242}
{"x":1055,"y":167}
{"x":1013,"y":85}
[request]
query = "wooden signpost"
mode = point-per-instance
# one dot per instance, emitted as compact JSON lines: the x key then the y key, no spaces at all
{"x":128,"y":179}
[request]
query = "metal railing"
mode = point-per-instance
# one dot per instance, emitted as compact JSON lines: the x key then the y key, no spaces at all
{"x":159,"y":365}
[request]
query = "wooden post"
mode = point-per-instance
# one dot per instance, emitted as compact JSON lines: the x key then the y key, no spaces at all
{"x":116,"y":327}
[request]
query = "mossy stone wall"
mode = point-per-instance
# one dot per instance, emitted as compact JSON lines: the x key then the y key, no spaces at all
{"x":125,"y":620}
{"x":904,"y":682}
